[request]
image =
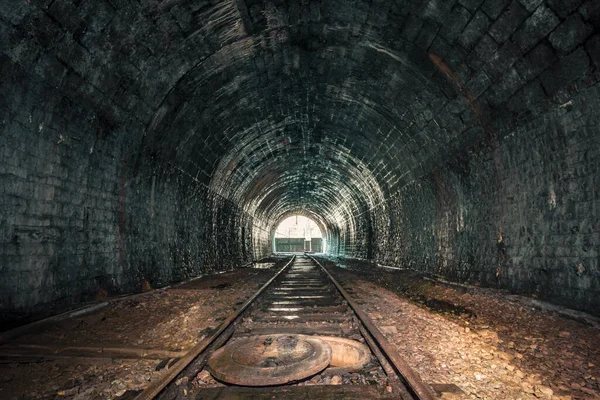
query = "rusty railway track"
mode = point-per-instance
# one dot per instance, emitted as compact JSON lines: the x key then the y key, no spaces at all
{"x":301,"y":298}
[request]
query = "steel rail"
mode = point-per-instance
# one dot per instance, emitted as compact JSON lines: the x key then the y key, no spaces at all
{"x":155,"y":388}
{"x":412,"y":379}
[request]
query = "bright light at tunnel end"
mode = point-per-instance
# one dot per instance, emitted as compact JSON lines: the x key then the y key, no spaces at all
{"x":298,"y":234}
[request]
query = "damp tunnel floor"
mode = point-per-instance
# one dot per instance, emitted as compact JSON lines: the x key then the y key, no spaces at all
{"x":479,"y":343}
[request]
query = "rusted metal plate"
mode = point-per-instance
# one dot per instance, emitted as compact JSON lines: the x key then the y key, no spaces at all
{"x":442,"y":388}
{"x":346,"y":355}
{"x":269,"y":359}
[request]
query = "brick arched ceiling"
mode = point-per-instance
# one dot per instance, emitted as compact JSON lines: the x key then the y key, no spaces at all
{"x":328,"y":107}
{"x":324,"y":111}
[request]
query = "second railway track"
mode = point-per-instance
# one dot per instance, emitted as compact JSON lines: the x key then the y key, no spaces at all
{"x":301,"y":299}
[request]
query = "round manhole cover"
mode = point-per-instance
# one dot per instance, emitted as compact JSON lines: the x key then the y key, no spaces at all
{"x":269,"y":359}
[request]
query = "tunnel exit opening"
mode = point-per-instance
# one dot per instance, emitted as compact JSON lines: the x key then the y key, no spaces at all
{"x":298,"y":234}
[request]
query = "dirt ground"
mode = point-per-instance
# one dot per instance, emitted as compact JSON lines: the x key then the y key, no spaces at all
{"x":487,"y":342}
{"x":172,"y":319}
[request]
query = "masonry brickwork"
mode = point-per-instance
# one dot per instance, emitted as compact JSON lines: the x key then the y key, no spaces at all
{"x":160,"y":140}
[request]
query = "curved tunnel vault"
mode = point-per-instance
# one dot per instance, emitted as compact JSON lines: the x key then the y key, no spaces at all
{"x":158,"y":140}
{"x":306,"y":123}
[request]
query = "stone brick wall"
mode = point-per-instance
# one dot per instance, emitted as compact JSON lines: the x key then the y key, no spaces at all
{"x":159,"y":139}
{"x":485,"y":206}
{"x":81,"y":217}
{"x":176,"y":229}
{"x":521,"y":213}
{"x":262,"y":240}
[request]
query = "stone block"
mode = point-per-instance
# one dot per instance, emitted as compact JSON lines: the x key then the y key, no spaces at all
{"x":483,"y":52}
{"x":567,"y":70}
{"x":471,"y":5}
{"x":590,"y":11}
{"x":593,"y":48}
{"x":503,"y":90}
{"x":570,"y":34}
{"x":531,"y":5}
{"x":458,"y":105}
{"x":15,"y":13}
{"x":442,"y":49}
{"x":478,"y":25}
{"x":530,"y":98}
{"x":536,"y":27}
{"x":428,"y":32}
{"x":503,"y":59}
{"x":411,"y":28}
{"x":493,"y":8}
{"x":564,"y":7}
{"x":437,"y":10}
{"x":536,"y":61}
{"x":455,"y":23}
{"x":479,"y":84}
{"x":508,"y":22}
{"x":182,"y":16}
{"x":65,"y":12}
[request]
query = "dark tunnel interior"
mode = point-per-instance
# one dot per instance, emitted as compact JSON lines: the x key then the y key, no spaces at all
{"x":160,"y":140}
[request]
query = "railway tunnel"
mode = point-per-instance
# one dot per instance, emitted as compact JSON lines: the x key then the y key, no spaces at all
{"x":147,"y":143}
